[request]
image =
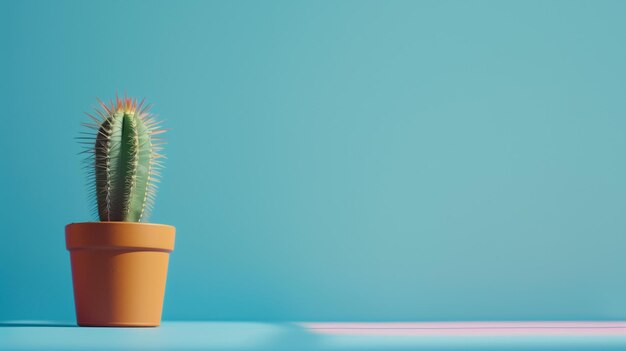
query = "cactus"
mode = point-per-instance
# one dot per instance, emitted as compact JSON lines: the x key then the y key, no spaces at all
{"x":124,"y":159}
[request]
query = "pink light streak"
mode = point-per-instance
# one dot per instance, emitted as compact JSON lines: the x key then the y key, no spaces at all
{"x":469,"y":328}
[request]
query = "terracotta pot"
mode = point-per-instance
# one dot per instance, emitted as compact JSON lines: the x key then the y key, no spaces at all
{"x":119,"y":271}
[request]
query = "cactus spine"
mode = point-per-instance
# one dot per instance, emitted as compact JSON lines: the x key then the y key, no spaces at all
{"x":124,"y":160}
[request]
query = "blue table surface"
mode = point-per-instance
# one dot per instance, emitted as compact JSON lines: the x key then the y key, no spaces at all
{"x":40,"y":335}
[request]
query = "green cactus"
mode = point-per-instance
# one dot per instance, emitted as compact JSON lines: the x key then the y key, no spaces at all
{"x":123,"y":160}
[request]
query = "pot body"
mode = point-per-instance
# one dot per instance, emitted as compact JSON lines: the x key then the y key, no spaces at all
{"x":119,"y":270}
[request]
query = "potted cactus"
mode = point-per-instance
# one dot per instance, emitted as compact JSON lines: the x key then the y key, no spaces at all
{"x":119,"y":264}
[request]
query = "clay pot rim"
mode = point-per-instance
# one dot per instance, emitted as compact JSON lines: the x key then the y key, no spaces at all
{"x":120,"y":236}
{"x":120,"y":222}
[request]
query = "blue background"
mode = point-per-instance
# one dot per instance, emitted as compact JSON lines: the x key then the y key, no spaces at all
{"x":350,"y":160}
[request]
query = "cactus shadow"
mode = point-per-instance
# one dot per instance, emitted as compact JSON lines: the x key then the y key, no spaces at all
{"x":36,"y":324}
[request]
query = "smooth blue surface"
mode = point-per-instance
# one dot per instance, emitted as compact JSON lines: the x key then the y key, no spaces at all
{"x":350,"y":160}
{"x":240,"y":336}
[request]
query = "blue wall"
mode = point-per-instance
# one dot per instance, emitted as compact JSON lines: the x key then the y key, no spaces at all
{"x":348,"y":160}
